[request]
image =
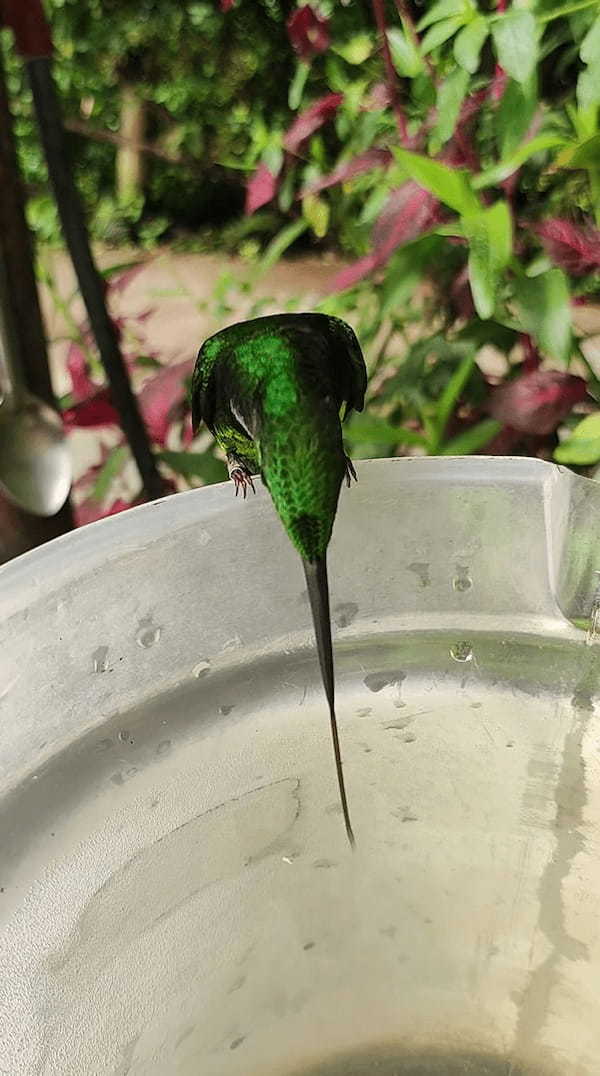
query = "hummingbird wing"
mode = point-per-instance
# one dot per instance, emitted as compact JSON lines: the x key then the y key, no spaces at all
{"x":329,"y":356}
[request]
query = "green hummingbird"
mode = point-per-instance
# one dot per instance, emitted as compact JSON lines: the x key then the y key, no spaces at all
{"x":272,"y":391}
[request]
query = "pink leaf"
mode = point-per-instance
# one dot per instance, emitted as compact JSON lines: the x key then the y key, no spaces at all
{"x":364,"y":162}
{"x":261,"y":188}
{"x":538,"y":401}
{"x":378,"y":97}
{"x":311,"y":120}
{"x":187,"y":431}
{"x":98,"y":410}
{"x":119,"y":281}
{"x":308,"y":32}
{"x":354,"y":273}
{"x":408,"y":212}
{"x":82,"y":385}
{"x":572,"y":248}
{"x":162,"y":398}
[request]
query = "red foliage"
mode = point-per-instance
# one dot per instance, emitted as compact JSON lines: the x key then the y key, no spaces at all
{"x":261,"y":188}
{"x":377,"y":98}
{"x":575,"y":249}
{"x":308,"y":32}
{"x":97,"y":410}
{"x":364,"y":162}
{"x":226,"y":5}
{"x":409,"y":211}
{"x":82,"y":385}
{"x":538,"y":401}
{"x":162,"y":399}
{"x":311,"y":120}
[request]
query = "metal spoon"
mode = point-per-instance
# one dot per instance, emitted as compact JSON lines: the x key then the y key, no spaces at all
{"x":35,"y":466}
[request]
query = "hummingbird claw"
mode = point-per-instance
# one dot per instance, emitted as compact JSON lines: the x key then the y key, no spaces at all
{"x":350,"y":472}
{"x":241,"y":479}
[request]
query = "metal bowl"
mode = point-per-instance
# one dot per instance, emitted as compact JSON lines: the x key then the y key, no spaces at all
{"x":178,"y":896}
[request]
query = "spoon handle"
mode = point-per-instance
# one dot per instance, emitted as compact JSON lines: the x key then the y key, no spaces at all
{"x":12,"y":384}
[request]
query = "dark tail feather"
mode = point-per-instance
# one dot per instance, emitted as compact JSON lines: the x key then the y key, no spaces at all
{"x":318,"y":592}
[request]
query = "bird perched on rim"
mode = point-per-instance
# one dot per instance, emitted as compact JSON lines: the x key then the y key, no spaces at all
{"x":272,"y":390}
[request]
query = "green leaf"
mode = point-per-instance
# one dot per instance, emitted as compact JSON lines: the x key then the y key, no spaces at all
{"x":375,"y":431}
{"x":469,"y":42}
{"x":444,"y":9}
{"x":405,"y":56}
{"x":148,"y":361}
{"x":566,"y":9}
{"x":404,"y":272}
{"x":439,"y":33}
{"x":492,"y":176}
{"x":114,"y":270}
{"x":582,"y":448}
{"x":588,"y":86}
{"x":590,"y":46}
{"x":316,"y":211}
{"x":449,"y":397}
{"x":356,"y":50}
{"x":581,"y":154}
{"x":450,"y":96}
{"x":450,"y":185}
{"x":281,"y":242}
{"x":297,"y":85}
{"x":515,"y":113}
{"x":473,"y":439}
{"x":489,"y":233}
{"x":110,"y":470}
{"x":545,"y":309}
{"x":516,"y":39}
{"x":195,"y":465}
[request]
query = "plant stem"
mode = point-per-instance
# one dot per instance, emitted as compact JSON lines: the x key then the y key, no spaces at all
{"x":391,"y":78}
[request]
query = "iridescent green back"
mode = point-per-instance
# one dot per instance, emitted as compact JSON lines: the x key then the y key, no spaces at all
{"x":284,"y":378}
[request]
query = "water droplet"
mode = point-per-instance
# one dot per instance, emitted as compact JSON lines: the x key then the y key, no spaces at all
{"x":201,"y":668}
{"x":100,"y":659}
{"x":345,"y":613}
{"x":461,"y":652}
{"x":164,"y":747}
{"x":462,"y":580}
{"x":147,"y":636}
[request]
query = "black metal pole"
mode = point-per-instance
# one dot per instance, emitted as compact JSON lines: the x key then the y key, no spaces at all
{"x":91,"y":285}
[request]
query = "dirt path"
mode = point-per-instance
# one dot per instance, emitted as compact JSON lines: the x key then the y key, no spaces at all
{"x":174,"y":296}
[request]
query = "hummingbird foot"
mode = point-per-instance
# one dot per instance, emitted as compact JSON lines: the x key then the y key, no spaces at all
{"x":241,"y":477}
{"x":350,"y":472}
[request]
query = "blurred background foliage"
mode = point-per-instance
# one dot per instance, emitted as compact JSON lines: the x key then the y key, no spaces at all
{"x":448,"y":151}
